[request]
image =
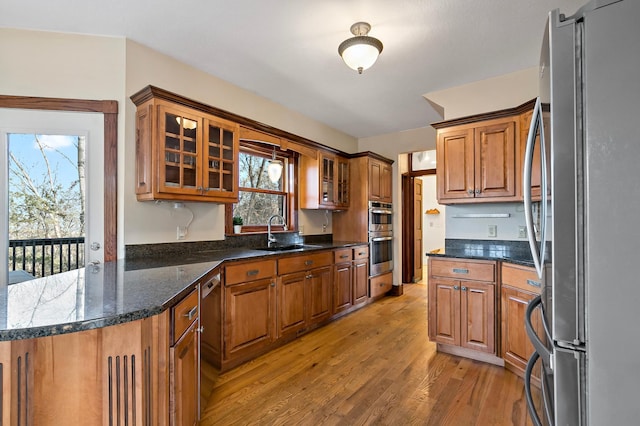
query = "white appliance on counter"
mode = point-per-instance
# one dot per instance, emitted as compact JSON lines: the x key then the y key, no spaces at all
{"x":590,"y":86}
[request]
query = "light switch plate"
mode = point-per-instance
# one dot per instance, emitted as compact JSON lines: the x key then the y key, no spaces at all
{"x":493,"y":230}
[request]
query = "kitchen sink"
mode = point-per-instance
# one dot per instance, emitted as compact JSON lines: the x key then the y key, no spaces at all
{"x":289,"y":247}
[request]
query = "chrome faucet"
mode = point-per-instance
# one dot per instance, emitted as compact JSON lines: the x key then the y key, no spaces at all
{"x":270,"y":238}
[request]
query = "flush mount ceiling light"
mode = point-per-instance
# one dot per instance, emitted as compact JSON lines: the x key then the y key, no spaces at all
{"x":274,"y":169}
{"x":360,"y":52}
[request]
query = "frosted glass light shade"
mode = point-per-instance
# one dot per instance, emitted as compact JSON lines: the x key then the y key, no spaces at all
{"x":360,"y":52}
{"x":360,"y":55}
{"x":274,"y":170}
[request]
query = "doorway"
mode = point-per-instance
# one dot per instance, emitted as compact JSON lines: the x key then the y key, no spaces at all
{"x":422,"y":223}
{"x":103,"y":174}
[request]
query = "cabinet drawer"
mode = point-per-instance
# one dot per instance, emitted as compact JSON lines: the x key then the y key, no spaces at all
{"x":304,"y":263}
{"x":521,"y":277}
{"x":463,"y":270}
{"x":183,"y":314}
{"x":342,"y":255}
{"x":361,"y":253}
{"x":381,"y":284}
{"x":249,"y":271}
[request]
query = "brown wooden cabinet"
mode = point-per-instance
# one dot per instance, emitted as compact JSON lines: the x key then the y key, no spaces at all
{"x":360,"y":274}
{"x":184,"y":154}
{"x":304,"y":291}
{"x":520,"y":285}
{"x":380,"y":181}
{"x":462,"y":305}
{"x":342,"y":280}
{"x":324,"y":182}
{"x":380,"y":285}
{"x":478,"y":162}
{"x":184,"y":358}
{"x":370,"y":179}
{"x":250,"y":301}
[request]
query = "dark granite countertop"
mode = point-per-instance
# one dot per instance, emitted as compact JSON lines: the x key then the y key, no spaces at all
{"x":115,"y":292}
{"x":516,"y":252}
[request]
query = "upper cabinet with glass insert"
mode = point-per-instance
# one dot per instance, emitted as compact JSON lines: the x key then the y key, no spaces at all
{"x":324,"y":182}
{"x":184,"y":154}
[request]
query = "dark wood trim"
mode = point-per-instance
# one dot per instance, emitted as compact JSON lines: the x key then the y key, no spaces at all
{"x":407,"y":228}
{"x":396,"y":290}
{"x":150,"y":92}
{"x":486,"y":116}
{"x":110,"y":111}
{"x":370,"y":154}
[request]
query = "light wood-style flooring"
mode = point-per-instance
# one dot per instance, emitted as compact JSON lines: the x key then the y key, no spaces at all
{"x":374,"y":366}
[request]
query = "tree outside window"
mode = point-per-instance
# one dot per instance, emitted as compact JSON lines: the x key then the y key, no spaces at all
{"x":259,"y":198}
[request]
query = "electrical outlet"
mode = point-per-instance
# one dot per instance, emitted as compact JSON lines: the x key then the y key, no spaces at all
{"x":522,"y":232}
{"x":493,"y":230}
{"x":181,"y":232}
{"x":324,"y":227}
{"x":301,"y":229}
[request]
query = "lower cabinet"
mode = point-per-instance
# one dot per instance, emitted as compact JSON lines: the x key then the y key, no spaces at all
{"x":380,"y":284}
{"x":462,"y":302}
{"x":360,"y":275}
{"x":304,"y":291}
{"x":250,"y":300}
{"x":184,"y":358}
{"x":520,"y":285}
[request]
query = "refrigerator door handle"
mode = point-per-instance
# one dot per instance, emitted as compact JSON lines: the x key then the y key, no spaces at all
{"x":535,"y":127}
{"x":540,"y":347}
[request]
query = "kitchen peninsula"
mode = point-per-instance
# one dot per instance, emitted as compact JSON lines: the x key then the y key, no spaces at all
{"x":120,"y":342}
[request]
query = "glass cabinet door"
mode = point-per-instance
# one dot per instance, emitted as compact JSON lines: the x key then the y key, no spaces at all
{"x":328,"y":195}
{"x":343,"y":182}
{"x":221,"y":146}
{"x":180,"y":134}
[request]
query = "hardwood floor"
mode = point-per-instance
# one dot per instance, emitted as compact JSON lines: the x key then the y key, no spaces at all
{"x":375,"y":366}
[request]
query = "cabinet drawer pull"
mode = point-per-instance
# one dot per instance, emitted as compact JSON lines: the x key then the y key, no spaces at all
{"x":460,"y":271}
{"x":309,"y":276}
{"x":362,"y":253}
{"x":344,"y":256}
{"x":308,"y":262}
{"x":455,"y":287}
{"x":192,"y":313}
{"x":534,"y":283}
{"x":253,"y":272}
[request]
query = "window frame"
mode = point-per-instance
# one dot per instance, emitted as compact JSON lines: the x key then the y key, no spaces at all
{"x":289,"y":177}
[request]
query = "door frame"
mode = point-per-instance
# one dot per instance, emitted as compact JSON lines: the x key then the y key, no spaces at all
{"x":109,"y":109}
{"x":408,"y":222}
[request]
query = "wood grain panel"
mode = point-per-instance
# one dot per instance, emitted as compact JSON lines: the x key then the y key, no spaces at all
{"x":463,"y":269}
{"x":248,"y":271}
{"x":306,"y":262}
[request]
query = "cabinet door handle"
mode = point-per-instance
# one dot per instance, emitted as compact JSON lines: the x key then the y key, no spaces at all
{"x":192,"y":313}
{"x":308,"y":262}
{"x":534,"y":283}
{"x":455,"y":287}
{"x":253,"y":272}
{"x":463,"y":288}
{"x":273,"y":284}
{"x":477,"y":192}
{"x":470,"y":191}
{"x":460,"y":271}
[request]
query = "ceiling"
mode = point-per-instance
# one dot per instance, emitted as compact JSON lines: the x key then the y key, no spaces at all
{"x":286,"y":51}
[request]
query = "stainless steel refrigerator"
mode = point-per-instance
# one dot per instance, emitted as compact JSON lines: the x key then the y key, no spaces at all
{"x":587,"y":121}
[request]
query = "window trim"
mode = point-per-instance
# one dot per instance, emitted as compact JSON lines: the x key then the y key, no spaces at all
{"x":290,"y":174}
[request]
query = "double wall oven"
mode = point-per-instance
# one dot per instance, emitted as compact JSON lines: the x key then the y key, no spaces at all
{"x":380,"y":238}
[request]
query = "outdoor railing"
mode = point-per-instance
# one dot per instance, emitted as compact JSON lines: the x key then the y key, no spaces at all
{"x":41,"y":257}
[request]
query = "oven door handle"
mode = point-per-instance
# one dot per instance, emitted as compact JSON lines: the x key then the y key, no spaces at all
{"x":376,"y":239}
{"x":381,"y":211}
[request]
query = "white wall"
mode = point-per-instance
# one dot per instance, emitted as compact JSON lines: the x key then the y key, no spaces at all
{"x":433,"y":226}
{"x":505,"y":91}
